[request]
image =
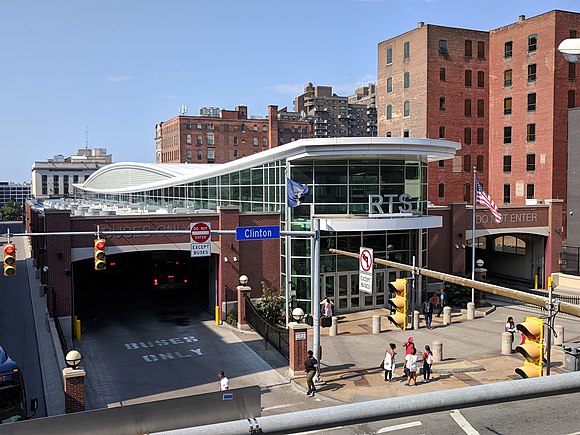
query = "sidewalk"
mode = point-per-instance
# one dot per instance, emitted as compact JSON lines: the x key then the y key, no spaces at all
{"x":471,"y":354}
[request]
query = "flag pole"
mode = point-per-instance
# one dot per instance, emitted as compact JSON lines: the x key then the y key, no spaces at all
{"x":473,"y":236}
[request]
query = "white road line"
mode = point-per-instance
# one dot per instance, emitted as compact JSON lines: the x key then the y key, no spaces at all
{"x":399,"y":427}
{"x":463,"y":423}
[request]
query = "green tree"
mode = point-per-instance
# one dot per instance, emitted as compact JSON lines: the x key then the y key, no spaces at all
{"x":271,"y":306}
{"x":11,"y":211}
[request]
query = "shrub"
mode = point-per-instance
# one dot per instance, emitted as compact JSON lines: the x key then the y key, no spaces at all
{"x":271,"y":306}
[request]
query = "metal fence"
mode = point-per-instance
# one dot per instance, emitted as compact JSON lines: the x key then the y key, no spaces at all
{"x":570,"y":260}
{"x":277,"y":337}
{"x":562,"y":298}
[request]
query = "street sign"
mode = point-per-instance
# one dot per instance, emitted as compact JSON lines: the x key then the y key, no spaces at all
{"x":200,"y":235}
{"x":257,"y":233}
{"x":365,"y":273}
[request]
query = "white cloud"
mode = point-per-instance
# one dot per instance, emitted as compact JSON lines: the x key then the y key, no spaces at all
{"x":119,"y":78}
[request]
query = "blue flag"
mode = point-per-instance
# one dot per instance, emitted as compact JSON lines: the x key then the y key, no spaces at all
{"x":296,"y":192}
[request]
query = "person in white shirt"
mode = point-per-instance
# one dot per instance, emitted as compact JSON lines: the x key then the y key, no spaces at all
{"x":224,"y":382}
{"x":411,"y":365}
{"x":389,"y":362}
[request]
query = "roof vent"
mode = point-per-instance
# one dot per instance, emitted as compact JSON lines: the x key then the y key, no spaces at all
{"x":522,"y":18}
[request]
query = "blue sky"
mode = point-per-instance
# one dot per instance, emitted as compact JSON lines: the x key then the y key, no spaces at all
{"x":120,"y":66}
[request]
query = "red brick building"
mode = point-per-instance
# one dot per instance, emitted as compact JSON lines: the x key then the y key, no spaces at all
{"x":229,"y":136}
{"x":503,"y":94}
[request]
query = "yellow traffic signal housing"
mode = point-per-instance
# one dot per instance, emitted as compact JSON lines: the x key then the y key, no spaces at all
{"x":9,"y":259}
{"x":399,"y":303}
{"x":100,"y":254}
{"x":533,"y":348}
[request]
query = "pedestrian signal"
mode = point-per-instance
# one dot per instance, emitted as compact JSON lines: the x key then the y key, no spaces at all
{"x":399,"y":303}
{"x":532,"y":349}
{"x":9,"y":259}
{"x":100,"y":254}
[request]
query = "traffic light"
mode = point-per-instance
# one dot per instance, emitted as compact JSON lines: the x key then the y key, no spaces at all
{"x":9,"y":259}
{"x":399,"y":303}
{"x":100,"y":254}
{"x":533,"y":348}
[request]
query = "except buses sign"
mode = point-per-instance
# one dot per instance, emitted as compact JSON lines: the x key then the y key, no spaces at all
{"x":200,"y":234}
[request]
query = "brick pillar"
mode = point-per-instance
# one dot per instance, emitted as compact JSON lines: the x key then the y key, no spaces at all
{"x":74,"y":390}
{"x":243,"y":290}
{"x":273,"y":133}
{"x":297,"y":334}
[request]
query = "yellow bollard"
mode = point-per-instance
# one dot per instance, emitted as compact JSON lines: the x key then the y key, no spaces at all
{"x":78,"y":329}
{"x":536,"y":282}
{"x":549,"y":281}
{"x":217,"y":315}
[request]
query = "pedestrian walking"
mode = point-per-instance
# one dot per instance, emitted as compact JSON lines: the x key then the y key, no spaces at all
{"x":389,"y":363}
{"x":327,"y":308}
{"x":409,"y":345}
{"x":224,"y":382}
{"x":311,"y":368}
{"x":427,"y":363}
{"x":428,"y":312}
{"x":510,"y":327}
{"x":442,"y":300}
{"x":411,"y":366}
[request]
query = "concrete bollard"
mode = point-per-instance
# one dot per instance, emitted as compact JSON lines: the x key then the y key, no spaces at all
{"x":506,"y":343}
{"x":446,"y":315}
{"x":437,"y":349}
{"x":415,"y":319}
{"x":559,"y":340}
{"x":333,"y":327}
{"x":376,"y":324}
{"x":470,"y":311}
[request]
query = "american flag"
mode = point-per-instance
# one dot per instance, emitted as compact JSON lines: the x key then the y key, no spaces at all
{"x":482,"y":198}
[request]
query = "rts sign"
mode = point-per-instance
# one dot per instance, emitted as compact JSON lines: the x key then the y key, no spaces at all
{"x":200,"y":235}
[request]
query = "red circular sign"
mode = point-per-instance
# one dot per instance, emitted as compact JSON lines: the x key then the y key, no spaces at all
{"x":200,"y":232}
{"x":366,"y":260}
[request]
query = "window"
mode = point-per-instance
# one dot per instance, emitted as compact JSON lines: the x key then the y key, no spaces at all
{"x":480,"y":79}
{"x":532,"y":43}
{"x":235,"y":140}
{"x":406,"y":109}
{"x":235,"y":154}
{"x":572,"y":33}
{"x":441,"y":163}
{"x":442,"y":104}
{"x":406,"y":80}
{"x":507,"y":164}
{"x":531,"y":73}
{"x":264,"y":142}
{"x":405,"y":133}
{"x":55,"y":185}
{"x":468,"y":48}
{"x":188,"y":139}
{"x":532,"y":102}
{"x":571,"y":99}
{"x":507,"y":50}
{"x":442,"y":74}
{"x":75,"y":179}
{"x":188,"y":154}
{"x":255,"y":141}
{"x":199,"y":139}
{"x":243,"y":127}
{"x":507,"y":78}
{"x":406,"y":50}
{"x":531,"y":133}
{"x":389,"y":56}
{"x":480,"y":135}
{"x":441,"y":132}
{"x":441,"y":190}
{"x":507,"y":106}
{"x":198,"y":125}
{"x":264,"y":128}
{"x":479,"y":163}
{"x":480,"y":49}
{"x":480,"y":108}
{"x":467,"y":163}
{"x":530,"y":191}
{"x":467,"y":136}
{"x":65,"y":184}
{"x":571,"y":71}
{"x":389,"y":111}
{"x":442,"y":46}
{"x":255,"y":127}
{"x":530,"y":162}
{"x":467,"y":192}
{"x":389,"y":84}
{"x":468,"y":77}
{"x":507,"y":134}
{"x":210,"y":153}
{"x":210,"y":138}
{"x":467,"y":107}
{"x":506,"y":194}
{"x":510,"y":245}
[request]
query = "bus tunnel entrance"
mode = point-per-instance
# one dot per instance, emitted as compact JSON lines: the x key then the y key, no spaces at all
{"x":171,"y":285}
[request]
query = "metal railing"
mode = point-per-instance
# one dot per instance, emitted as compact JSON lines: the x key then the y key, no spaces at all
{"x":575,"y":300}
{"x":277,"y":337}
{"x":61,"y":337}
{"x":570,"y":260}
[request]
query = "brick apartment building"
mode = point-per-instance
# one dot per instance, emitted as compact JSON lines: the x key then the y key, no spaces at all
{"x":503,"y":94}
{"x":220,"y":136}
{"x":336,"y":116}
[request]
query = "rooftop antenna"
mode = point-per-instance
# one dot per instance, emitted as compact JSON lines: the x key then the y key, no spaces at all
{"x":86,"y":136}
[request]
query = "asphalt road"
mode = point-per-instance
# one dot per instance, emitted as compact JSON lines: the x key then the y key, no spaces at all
{"x":555,"y":415}
{"x":17,"y":328}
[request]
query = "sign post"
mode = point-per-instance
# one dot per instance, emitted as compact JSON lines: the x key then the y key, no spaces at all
{"x":365,"y":274}
{"x":200,"y":235}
